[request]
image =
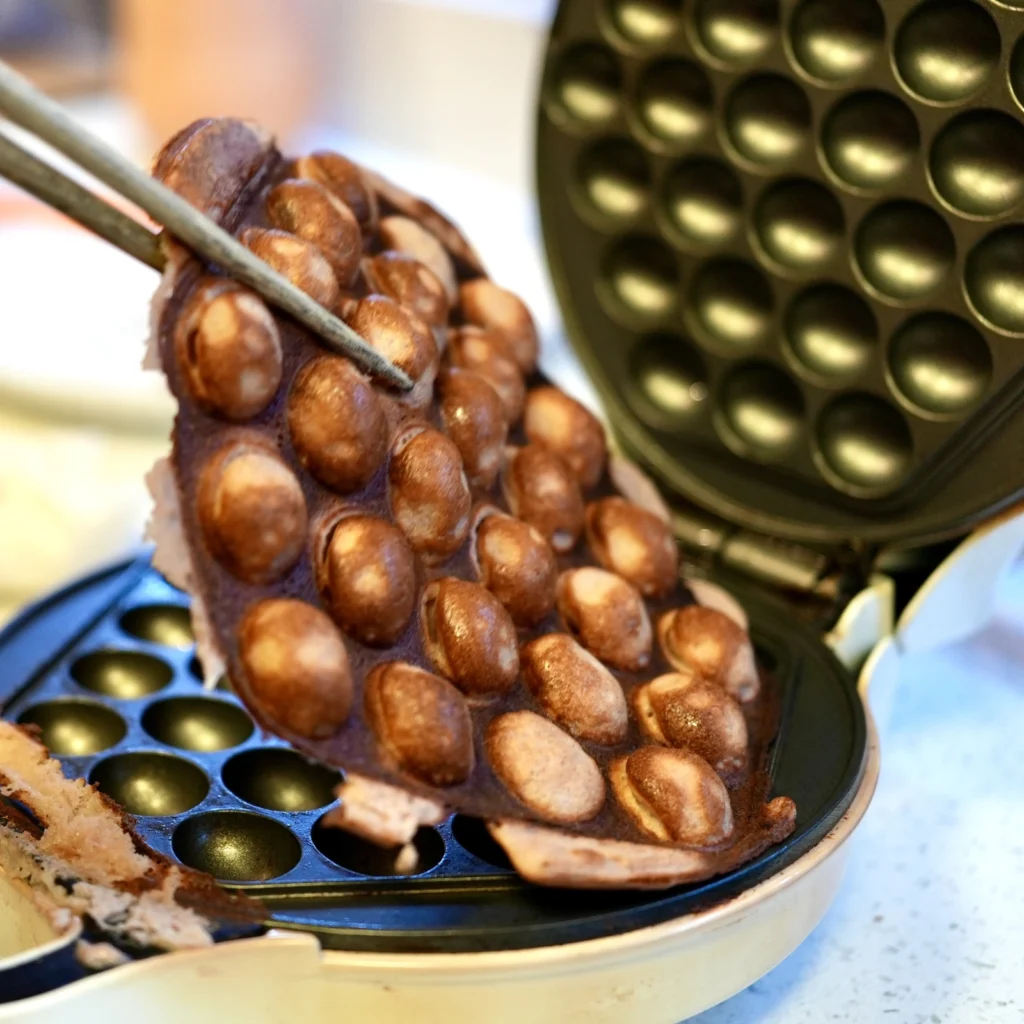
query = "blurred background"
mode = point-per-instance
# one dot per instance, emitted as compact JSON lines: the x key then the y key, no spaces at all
{"x":437,"y":94}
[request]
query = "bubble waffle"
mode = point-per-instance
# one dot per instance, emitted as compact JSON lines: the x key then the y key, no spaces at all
{"x":374,"y":568}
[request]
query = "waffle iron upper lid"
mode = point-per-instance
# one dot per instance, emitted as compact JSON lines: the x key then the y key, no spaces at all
{"x":787,"y":241}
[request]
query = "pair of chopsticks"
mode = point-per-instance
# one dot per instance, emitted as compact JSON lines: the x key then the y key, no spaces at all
{"x":27,"y":107}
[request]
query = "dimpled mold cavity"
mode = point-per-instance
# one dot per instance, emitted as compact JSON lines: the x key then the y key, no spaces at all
{"x":834,"y":41}
{"x":768,"y":120}
{"x":169,"y":625}
{"x":235,"y":846}
{"x":614,"y":178}
{"x":151,"y":784}
{"x":731,"y":301}
{"x":761,"y":409}
{"x":831,"y":332}
{"x":645,"y":22}
{"x":864,"y":442}
{"x":642,"y":278}
{"x":905,"y":250}
{"x":799,"y":224}
{"x":702,"y":201}
{"x":673,"y":102}
{"x":278,"y":779}
{"x":946,"y":50}
{"x":126,"y":675}
{"x":365,"y":858}
{"x":669,"y":381}
{"x":584,"y":88}
{"x":940,"y":363}
{"x":75,"y":728}
{"x":259,"y":824}
{"x":472,"y":835}
{"x":197,"y":723}
{"x":842,"y":201}
{"x":994,"y":276}
{"x":1017,"y":71}
{"x":977,"y":163}
{"x":736,"y":32}
{"x":870,"y":140}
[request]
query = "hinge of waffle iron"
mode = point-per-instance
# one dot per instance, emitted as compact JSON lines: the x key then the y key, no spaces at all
{"x":783,"y":565}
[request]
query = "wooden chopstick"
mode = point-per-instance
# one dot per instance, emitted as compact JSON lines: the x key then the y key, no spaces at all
{"x":23,"y":104}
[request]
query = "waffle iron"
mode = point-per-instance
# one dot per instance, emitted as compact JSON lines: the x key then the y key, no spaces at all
{"x":782,"y":236}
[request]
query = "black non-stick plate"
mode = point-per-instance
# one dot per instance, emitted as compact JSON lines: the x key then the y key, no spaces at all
{"x":106,"y":668}
{"x":786,"y":239}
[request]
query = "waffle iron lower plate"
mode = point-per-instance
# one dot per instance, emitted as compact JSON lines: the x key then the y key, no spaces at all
{"x":106,"y":668}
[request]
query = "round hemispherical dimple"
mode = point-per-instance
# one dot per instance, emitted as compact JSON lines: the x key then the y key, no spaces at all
{"x":473,"y":417}
{"x":169,"y":625}
{"x":429,"y":493}
{"x":673,"y":101}
{"x":831,"y":331}
{"x":542,"y":490}
{"x":945,"y":50}
{"x":296,"y":667}
{"x":703,"y":201}
{"x":732,"y":302}
{"x":736,"y":32}
{"x":864,"y":443}
{"x":768,"y":120}
{"x":544,"y":768}
{"x":585,"y":85}
{"x":799,"y":224}
{"x":607,"y":615}
{"x":870,"y":139}
{"x":236,"y":846}
{"x":301,"y":262}
{"x":517,"y":565}
{"x":904,"y":250}
{"x":555,"y":421}
{"x":150,"y":784}
{"x":673,"y":796}
{"x":197,"y":723}
{"x":634,"y":543}
{"x":681,"y":709}
{"x":366,"y":573}
{"x":77,"y":728}
{"x":669,"y":381}
{"x":977,"y":163}
{"x":228,"y":346}
{"x":614,"y":178}
{"x":251,"y":511}
{"x":575,"y":690}
{"x":762,"y":409}
{"x":645,"y":22}
{"x":469,"y":637}
{"x":1017,"y":71}
{"x":642,"y":277}
{"x":940,"y":363}
{"x":994,"y":279}
{"x":307,"y":209}
{"x":422,"y":723}
{"x":836,"y":40}
{"x":279,"y":779}
{"x":337,"y":425}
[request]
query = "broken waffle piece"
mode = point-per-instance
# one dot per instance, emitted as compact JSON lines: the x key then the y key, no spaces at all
{"x":452,"y":594}
{"x":73,"y":851}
